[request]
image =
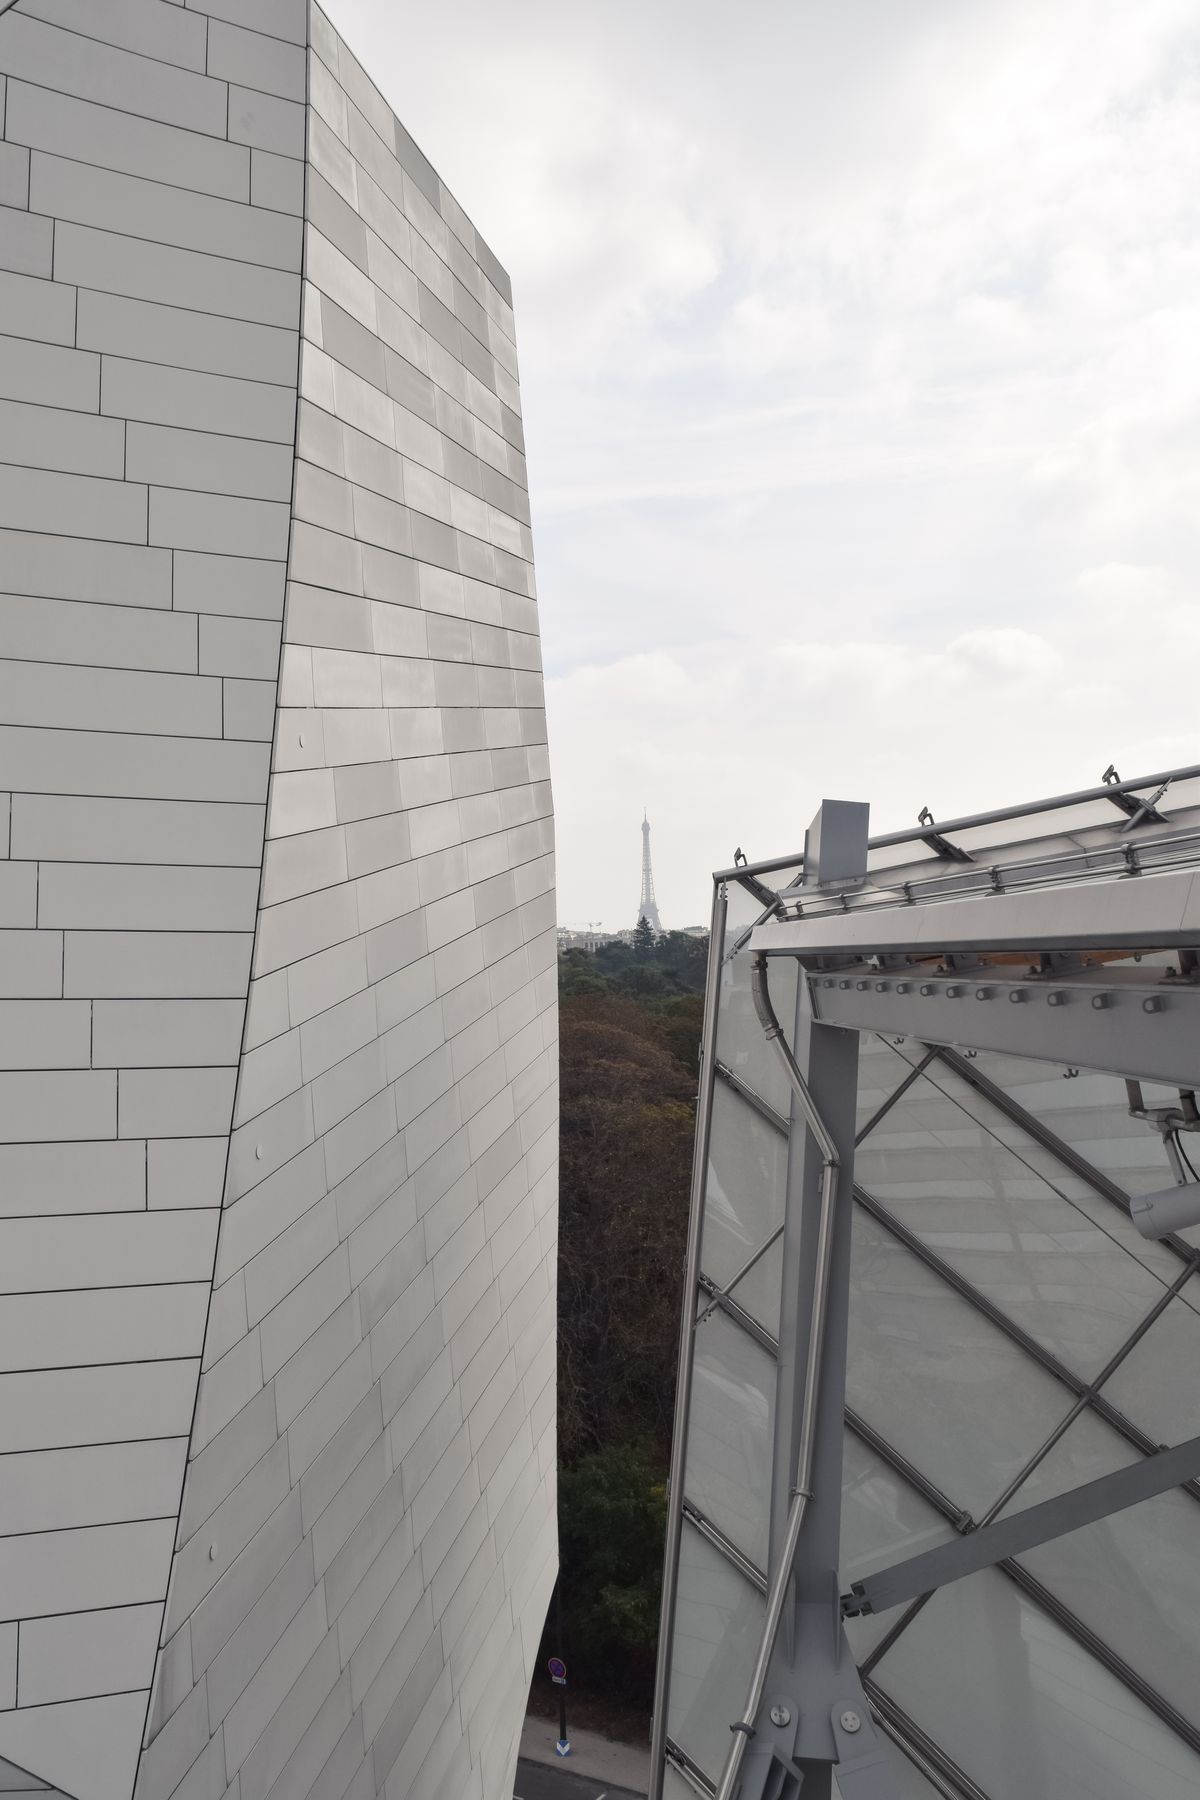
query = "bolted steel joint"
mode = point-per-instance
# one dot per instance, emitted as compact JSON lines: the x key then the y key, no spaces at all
{"x":850,"y":1720}
{"x":780,"y":1714}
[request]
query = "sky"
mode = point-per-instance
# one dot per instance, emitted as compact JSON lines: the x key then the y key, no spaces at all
{"x":860,"y":367}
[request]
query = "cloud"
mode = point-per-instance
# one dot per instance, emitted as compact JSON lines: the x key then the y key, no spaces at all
{"x":861,"y":368}
{"x":737,"y":744}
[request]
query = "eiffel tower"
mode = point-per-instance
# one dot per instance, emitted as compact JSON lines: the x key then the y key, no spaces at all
{"x":647,"y":905}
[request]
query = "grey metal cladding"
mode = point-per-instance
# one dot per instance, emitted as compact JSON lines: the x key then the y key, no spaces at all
{"x":367,"y":1536}
{"x":149,"y":371}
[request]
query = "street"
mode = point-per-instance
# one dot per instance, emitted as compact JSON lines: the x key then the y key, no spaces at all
{"x":541,"y":1781}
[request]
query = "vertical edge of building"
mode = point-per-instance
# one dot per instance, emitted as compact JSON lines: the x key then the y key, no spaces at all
{"x":367,"y":1539}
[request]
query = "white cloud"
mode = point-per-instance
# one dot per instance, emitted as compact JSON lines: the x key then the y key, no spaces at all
{"x":861,"y":365}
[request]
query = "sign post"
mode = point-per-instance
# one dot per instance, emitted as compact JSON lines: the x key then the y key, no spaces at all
{"x":558,"y":1675}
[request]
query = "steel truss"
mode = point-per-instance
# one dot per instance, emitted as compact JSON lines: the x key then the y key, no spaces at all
{"x":780,"y":1760}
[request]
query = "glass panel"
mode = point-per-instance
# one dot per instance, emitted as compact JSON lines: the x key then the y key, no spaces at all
{"x":1134,"y":1577}
{"x":894,"y":859}
{"x":741,"y":1045}
{"x":718,"y":1627}
{"x":884,"y":1520}
{"x":742,"y":908}
{"x":937,"y":1379}
{"x":1050,"y":829}
{"x":1090,"y":1113}
{"x":863,"y":1634}
{"x":728,"y":1469}
{"x":1158,"y":1384}
{"x":1027,"y":1712}
{"x":881,"y":1069}
{"x":941,"y":1169}
{"x":1087,"y":1449}
{"x":906,"y":1783}
{"x":747,"y":1172}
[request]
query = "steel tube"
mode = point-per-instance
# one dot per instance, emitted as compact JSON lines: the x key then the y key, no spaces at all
{"x":780,"y":1582}
{"x":683,"y":1379}
{"x":1026,"y":809}
{"x":776,"y":1595}
{"x":773,"y":1031}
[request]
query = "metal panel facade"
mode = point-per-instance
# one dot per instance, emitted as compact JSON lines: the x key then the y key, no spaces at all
{"x":277,"y":957}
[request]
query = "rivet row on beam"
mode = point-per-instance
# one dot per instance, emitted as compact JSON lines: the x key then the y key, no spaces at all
{"x":955,"y":990}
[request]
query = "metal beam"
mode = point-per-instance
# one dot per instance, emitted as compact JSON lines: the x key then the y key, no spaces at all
{"x":1020,"y":1531}
{"x":1041,"y":1596}
{"x":915,"y":1071}
{"x":1149,"y":1030}
{"x":683,"y":1379}
{"x":686,"y":1769}
{"x":1153,"y":911}
{"x":761,"y":892}
{"x":804,"y":1684}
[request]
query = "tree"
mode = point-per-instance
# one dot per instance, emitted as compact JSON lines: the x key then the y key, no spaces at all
{"x":630,"y":1017}
{"x":612,"y":1508}
{"x":626,"y":1123}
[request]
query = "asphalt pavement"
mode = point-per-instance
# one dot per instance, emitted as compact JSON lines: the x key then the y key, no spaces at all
{"x":543,"y":1781}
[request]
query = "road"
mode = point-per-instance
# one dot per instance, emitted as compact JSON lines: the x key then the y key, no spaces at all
{"x":540,"y":1781}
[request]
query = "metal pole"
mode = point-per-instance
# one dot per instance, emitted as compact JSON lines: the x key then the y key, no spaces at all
{"x":562,"y":1687}
{"x":777,"y":1593}
{"x":683,"y":1379}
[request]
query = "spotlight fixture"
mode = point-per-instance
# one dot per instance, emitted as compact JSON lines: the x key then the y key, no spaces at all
{"x":1173,"y":1209}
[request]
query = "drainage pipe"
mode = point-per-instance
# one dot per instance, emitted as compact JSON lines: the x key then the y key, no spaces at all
{"x":744,"y":1728}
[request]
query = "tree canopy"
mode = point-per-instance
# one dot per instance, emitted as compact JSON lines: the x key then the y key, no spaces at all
{"x":630,"y":1037}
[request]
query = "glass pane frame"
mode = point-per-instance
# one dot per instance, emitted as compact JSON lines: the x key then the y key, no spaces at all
{"x":1034,"y":1193}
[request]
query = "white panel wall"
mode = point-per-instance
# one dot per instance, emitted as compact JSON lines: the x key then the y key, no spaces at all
{"x":150,"y":254}
{"x":354,"y":1500}
{"x":367,"y":1542}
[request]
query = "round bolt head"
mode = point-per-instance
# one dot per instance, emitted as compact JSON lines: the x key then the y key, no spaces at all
{"x":850,"y":1721}
{"x":780,"y":1714}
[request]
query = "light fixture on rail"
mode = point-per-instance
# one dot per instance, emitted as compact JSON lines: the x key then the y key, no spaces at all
{"x":1173,"y":1209}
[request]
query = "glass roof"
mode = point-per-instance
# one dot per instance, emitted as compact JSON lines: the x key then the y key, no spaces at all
{"x":1011,"y":1337}
{"x":1066,"y":838}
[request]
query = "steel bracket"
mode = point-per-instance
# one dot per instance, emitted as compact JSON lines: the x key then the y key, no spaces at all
{"x":814,"y":1691}
{"x":862,"y":1764}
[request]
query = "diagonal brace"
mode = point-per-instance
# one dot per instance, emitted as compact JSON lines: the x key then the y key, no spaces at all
{"x":1020,"y":1531}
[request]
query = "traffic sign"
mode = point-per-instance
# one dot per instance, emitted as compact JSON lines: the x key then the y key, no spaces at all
{"x":558,"y":1671}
